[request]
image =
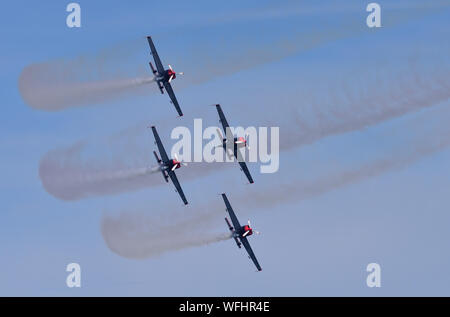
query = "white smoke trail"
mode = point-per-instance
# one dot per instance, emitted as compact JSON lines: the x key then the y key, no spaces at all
{"x":349,"y":108}
{"x":48,"y":86}
{"x":141,"y":235}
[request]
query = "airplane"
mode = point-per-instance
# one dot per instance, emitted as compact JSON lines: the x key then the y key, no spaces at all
{"x":238,"y":142}
{"x":163,"y":77}
{"x":168,"y":166}
{"x":240,"y":233}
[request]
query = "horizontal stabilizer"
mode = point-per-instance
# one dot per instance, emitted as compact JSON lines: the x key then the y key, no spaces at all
{"x":229,"y":224}
{"x":153,"y":68}
{"x":156,"y":156}
{"x":237,"y":242}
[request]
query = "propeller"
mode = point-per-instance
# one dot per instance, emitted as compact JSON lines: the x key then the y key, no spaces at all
{"x":250,"y":225}
{"x":171,"y":77}
{"x":182,"y":163}
{"x":245,"y":141}
{"x":180,"y":73}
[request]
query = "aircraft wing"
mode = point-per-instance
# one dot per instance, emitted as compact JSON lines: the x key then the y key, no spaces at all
{"x":174,"y":179}
{"x":246,"y":171}
{"x":233,"y":217}
{"x":161,"y":149}
{"x":250,"y":252}
{"x":224,"y":122}
{"x":173,"y":98}
{"x":244,"y":168}
{"x":158,"y":63}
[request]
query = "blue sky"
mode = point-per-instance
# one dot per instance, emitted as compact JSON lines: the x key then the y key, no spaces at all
{"x":315,"y":246}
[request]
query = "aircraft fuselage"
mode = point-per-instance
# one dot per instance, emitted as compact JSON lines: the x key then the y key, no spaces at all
{"x":170,"y":165}
{"x":239,"y":232}
{"x":164,"y":78}
{"x":166,"y":167}
{"x":238,"y":143}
